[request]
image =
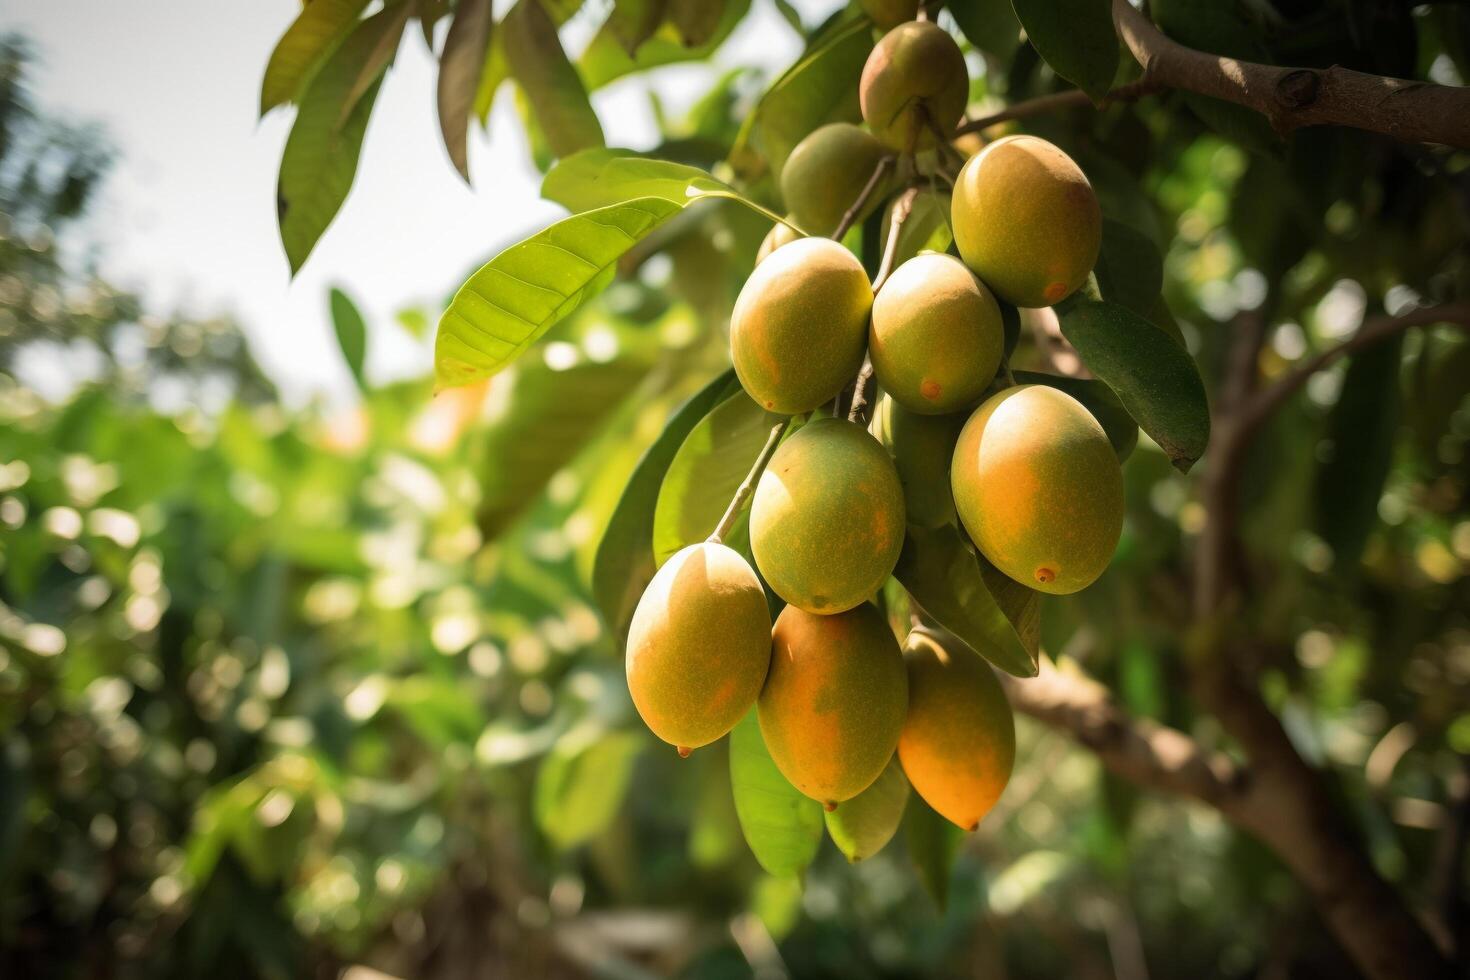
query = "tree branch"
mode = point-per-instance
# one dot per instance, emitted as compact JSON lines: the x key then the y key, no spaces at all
{"x":1291,"y":98}
{"x":1071,"y":99}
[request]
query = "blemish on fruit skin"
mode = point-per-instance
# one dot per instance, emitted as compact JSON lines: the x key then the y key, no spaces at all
{"x":828,"y":805}
{"x":1045,"y":575}
{"x":1055,"y":291}
{"x":684,"y":751}
{"x":973,"y":827}
{"x":930,"y":389}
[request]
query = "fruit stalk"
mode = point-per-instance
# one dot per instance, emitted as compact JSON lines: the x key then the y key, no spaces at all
{"x":901,"y":211}
{"x":851,"y":214}
{"x":747,"y":486}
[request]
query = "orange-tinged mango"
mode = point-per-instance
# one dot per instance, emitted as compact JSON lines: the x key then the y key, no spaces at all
{"x":699,"y":645}
{"x":935,"y":337}
{"x":958,"y":743}
{"x":834,"y":701}
{"x":826,"y":173}
{"x":800,"y":324}
{"x":922,"y":447}
{"x":1039,"y":489}
{"x":916,"y":69}
{"x":827,"y":518}
{"x":1026,"y":221}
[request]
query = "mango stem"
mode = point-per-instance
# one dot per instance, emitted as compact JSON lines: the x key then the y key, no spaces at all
{"x":747,"y":486}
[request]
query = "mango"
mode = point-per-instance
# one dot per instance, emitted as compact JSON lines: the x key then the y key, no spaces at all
{"x":826,"y":173}
{"x":935,"y":337}
{"x":699,"y":645}
{"x":780,"y":234}
{"x":827,"y":518}
{"x":887,"y":14}
{"x":1039,"y":489}
{"x":916,"y":69}
{"x":834,"y":701}
{"x":800,"y":325}
{"x":1026,"y":221}
{"x":921,"y":447}
{"x":958,"y":743}
{"x":863,"y":825}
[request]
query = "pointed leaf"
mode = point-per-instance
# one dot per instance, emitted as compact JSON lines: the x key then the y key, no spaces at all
{"x":320,"y":159}
{"x":552,"y":87}
{"x":697,"y":21}
{"x":863,"y":825}
{"x":606,"y":58}
{"x":1076,"y":38}
{"x":351,"y":333}
{"x":934,"y":843}
{"x":782,"y":827}
{"x":516,"y":297}
{"x":943,"y":576}
{"x":625,"y":565}
{"x":307,"y":43}
{"x":596,"y":178}
{"x":460,"y":67}
{"x":370,"y":69}
{"x":633,"y":21}
{"x":1156,"y":379}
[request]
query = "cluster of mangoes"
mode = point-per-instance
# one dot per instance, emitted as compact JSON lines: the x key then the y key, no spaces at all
{"x":1025,"y":470}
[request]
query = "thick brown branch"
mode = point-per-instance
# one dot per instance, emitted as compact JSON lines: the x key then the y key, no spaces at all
{"x":1072,"y":99}
{"x":1291,"y":98}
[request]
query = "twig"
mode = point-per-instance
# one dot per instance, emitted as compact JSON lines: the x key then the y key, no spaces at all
{"x":1071,"y":99}
{"x":850,"y":216}
{"x":902,"y":208}
{"x":747,"y":486}
{"x":1290,"y":98}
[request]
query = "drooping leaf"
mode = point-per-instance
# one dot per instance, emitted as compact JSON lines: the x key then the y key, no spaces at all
{"x":625,"y":563}
{"x":934,"y":843}
{"x":494,"y":71}
{"x":370,"y":69}
{"x":351,"y":333}
{"x":1361,"y":428}
{"x":1154,"y":377}
{"x":1219,"y":28}
{"x":549,"y":81}
{"x":943,"y":576}
{"x":320,"y":159}
{"x":1021,"y":605}
{"x":600,"y":177}
{"x":697,"y":21}
{"x":705,"y":473}
{"x":518,"y":295}
{"x":782,"y":827}
{"x":863,"y":825}
{"x":606,"y":59}
{"x":1130,"y":270}
{"x":990,"y":25}
{"x":1076,"y":38}
{"x":633,"y":21}
{"x":1098,"y":399}
{"x":579,"y":789}
{"x":460,"y":67}
{"x":306,"y":45}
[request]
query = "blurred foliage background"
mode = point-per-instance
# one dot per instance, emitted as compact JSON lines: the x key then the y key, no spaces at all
{"x":291,"y":691}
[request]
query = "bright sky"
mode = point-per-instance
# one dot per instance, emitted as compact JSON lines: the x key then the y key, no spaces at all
{"x":188,"y":216}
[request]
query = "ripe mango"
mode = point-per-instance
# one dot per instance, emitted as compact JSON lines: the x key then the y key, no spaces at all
{"x":1026,"y":221}
{"x":699,"y":645}
{"x":827,"y":519}
{"x":916,"y":69}
{"x":834,"y":700}
{"x":1038,"y":488}
{"x":863,"y":825}
{"x":958,"y":744}
{"x":826,"y":173}
{"x":887,"y":14}
{"x":936,"y":336}
{"x":800,"y":324}
{"x":922,"y":447}
{"x":780,"y":234}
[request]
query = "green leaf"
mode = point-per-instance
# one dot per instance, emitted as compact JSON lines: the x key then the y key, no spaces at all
{"x":1076,"y":38}
{"x":1130,"y":270}
{"x":579,"y":789}
{"x":1361,"y":430}
{"x":1155,"y":378}
{"x":320,"y":159}
{"x":460,"y":66}
{"x":1098,"y":399}
{"x":1219,"y":28}
{"x":307,"y":43}
{"x":782,"y":827}
{"x":518,"y":295}
{"x":705,"y":473}
{"x":934,"y":843}
{"x":550,"y":82}
{"x":863,"y":825}
{"x":633,"y":21}
{"x":606,"y":58}
{"x":597,"y":178}
{"x":1022,"y":606}
{"x":351,"y":333}
{"x":990,"y":25}
{"x":625,"y":564}
{"x":697,"y":21}
{"x":495,"y":71}
{"x":943,"y":576}
{"x":820,"y":88}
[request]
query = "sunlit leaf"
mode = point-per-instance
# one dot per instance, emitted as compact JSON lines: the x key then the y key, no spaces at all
{"x":307,"y":43}
{"x":579,"y":790}
{"x":782,"y":827}
{"x":597,"y":178}
{"x":861,"y":826}
{"x":351,"y":331}
{"x":549,"y":81}
{"x":1155,"y":378}
{"x":460,"y":66}
{"x":1076,"y":38}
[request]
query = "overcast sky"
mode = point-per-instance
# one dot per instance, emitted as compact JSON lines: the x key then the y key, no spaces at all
{"x":188,"y":215}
